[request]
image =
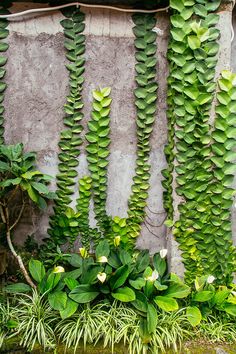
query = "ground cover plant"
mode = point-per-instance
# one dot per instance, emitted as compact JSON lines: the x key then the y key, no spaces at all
{"x":113,"y":297}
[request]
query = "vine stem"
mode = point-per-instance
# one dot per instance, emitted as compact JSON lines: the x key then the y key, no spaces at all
{"x":159,"y":225}
{"x":150,"y":230}
{"x":19,"y":216}
{"x":13,"y":193}
{"x":156,"y":213}
{"x":11,"y":247}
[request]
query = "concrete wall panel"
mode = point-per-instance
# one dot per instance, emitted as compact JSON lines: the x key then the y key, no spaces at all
{"x":38,"y":84}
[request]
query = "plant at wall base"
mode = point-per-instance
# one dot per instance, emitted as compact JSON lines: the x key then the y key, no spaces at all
{"x":8,"y":320}
{"x":35,"y":322}
{"x":102,"y":323}
{"x":98,"y":292}
{"x":4,"y":32}
{"x":217,"y":329}
{"x":193,"y":56}
{"x":70,"y":137}
{"x":206,"y":299}
{"x":145,"y":101}
{"x":111,"y":273}
{"x":19,"y":178}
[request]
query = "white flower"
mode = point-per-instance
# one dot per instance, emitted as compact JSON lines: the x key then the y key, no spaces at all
{"x":116,"y":241}
{"x":102,"y":259}
{"x":153,"y":277}
{"x":101,"y":277}
{"x":233,"y":293}
{"x":210,"y":279}
{"x":83,"y":252}
{"x":58,"y":269}
{"x":163,"y":252}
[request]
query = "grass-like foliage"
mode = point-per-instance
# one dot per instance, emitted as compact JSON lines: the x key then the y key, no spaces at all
{"x":115,"y":323}
{"x":218,"y":329}
{"x":33,"y":323}
{"x":36,"y":321}
{"x":171,"y":331}
{"x":82,"y":326}
{"x":7,"y":321}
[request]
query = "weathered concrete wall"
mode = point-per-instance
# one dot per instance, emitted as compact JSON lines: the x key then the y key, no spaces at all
{"x":37,"y":87}
{"x":38,"y":84}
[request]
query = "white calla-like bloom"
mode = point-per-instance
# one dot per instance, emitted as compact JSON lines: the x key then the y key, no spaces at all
{"x":210,"y":279}
{"x":101,"y":277}
{"x":102,"y":259}
{"x":153,"y":277}
{"x":58,"y":269}
{"x":163,"y":252}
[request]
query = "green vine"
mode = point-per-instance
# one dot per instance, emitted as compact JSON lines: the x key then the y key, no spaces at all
{"x":128,"y":229}
{"x":223,"y":158}
{"x":83,"y":208}
{"x":98,"y":152}
{"x":145,"y":101}
{"x":193,"y":56}
{"x":4,"y":32}
{"x":70,"y":139}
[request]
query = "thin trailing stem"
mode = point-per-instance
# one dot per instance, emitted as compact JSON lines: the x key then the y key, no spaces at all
{"x":13,"y":194}
{"x":156,"y":213}
{"x":2,"y":213}
{"x":19,"y":216}
{"x":158,"y":225}
{"x":150,"y":230}
{"x":10,"y":244}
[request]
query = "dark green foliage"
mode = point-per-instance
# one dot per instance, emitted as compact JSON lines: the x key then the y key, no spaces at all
{"x":98,"y":152}
{"x":141,"y":281}
{"x":118,"y":230}
{"x":87,"y":234}
{"x":19,"y":182}
{"x":145,"y":101}
{"x":70,"y":137}
{"x":111,"y":273}
{"x":207,"y":299}
{"x":19,"y":174}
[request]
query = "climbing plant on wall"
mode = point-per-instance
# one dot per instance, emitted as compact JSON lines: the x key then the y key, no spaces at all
{"x":98,"y":152}
{"x":192,"y":56}
{"x":70,"y":139}
{"x":223,"y":156}
{"x":3,"y":59}
{"x":201,"y":228}
{"x":67,"y":223}
{"x":145,"y":101}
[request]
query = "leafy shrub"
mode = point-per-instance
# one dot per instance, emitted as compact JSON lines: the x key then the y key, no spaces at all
{"x":19,"y":178}
{"x":206,"y":299}
{"x":115,"y":296}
